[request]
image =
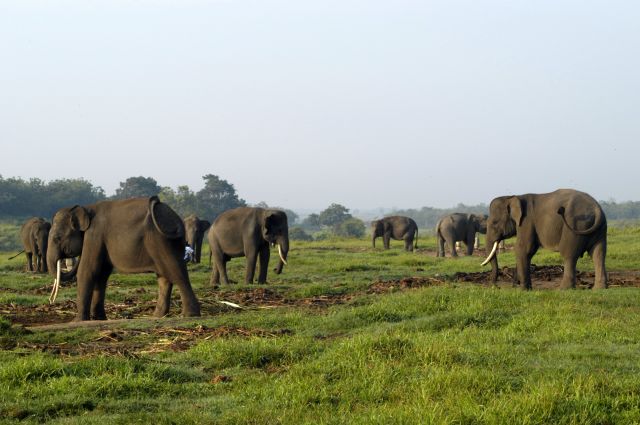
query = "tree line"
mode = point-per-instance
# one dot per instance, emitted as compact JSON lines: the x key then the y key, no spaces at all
{"x":21,"y":198}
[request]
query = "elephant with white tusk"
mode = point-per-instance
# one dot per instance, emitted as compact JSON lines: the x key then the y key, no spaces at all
{"x":248,"y":232}
{"x":195,"y":229}
{"x":137,"y":235}
{"x":566,"y":221}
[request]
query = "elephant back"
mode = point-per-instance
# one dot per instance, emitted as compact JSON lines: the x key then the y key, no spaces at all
{"x":165,"y":219}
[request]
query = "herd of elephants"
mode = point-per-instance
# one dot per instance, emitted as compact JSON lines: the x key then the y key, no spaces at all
{"x":141,"y":235}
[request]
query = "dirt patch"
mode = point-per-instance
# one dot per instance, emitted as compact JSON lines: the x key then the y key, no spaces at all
{"x":268,"y":298}
{"x":402,"y":284}
{"x":133,"y":343}
{"x":550,"y":277}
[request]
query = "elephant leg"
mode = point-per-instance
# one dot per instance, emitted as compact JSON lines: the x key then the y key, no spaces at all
{"x":30,"y":261}
{"x":440,"y":246}
{"x":176,"y":274}
{"x":569,"y":275}
{"x":408,"y":243}
{"x":386,"y":240}
{"x":215,"y":276}
{"x":265,"y":252}
{"x":86,"y":283}
{"x":523,"y":271}
{"x":97,"y":299}
{"x":219,"y":269}
{"x":598,"y":254}
{"x":164,"y":297}
{"x":252,"y":258}
{"x":452,"y":246}
{"x":470,"y":242}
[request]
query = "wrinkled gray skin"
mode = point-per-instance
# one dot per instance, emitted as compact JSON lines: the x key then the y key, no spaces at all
{"x":395,"y":227}
{"x":247,"y":232}
{"x":138,"y":235}
{"x":34,"y":234}
{"x":194,"y":232}
{"x":459,"y":227}
{"x":566,"y":221}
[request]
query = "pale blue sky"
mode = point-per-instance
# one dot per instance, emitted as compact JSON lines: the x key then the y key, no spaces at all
{"x":300,"y":104}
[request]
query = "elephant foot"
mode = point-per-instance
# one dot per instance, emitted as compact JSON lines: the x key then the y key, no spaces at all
{"x":81,"y":318}
{"x":567,"y":285}
{"x":191,"y":312}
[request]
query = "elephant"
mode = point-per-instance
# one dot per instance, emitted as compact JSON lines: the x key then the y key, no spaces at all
{"x":248,"y":232}
{"x":566,"y":221}
{"x":395,"y":227}
{"x":137,"y":235}
{"x":459,"y":227}
{"x":35,"y":234}
{"x":195,"y":230}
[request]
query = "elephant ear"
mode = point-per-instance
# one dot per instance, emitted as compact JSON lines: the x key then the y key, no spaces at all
{"x":517,"y":208}
{"x":204,"y":225}
{"x":165,"y":219}
{"x":81,"y":218}
{"x":387,"y":225}
{"x":471,"y":218}
{"x":273,"y":220}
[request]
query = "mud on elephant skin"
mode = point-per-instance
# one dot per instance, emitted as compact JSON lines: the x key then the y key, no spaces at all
{"x":395,"y":227}
{"x":195,"y":230}
{"x":138,"y":235}
{"x":459,"y":227}
{"x":248,"y":232}
{"x":35,"y":234}
{"x":566,"y":221}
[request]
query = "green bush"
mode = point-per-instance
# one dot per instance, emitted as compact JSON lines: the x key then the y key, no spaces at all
{"x":298,"y":234}
{"x":10,"y":237}
{"x":350,"y":228}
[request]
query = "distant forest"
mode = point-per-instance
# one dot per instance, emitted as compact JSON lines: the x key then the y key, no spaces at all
{"x":21,"y":198}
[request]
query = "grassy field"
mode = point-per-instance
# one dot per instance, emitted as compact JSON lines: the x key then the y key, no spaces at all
{"x":346,"y":334}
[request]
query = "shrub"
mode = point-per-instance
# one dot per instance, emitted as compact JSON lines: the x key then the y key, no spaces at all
{"x":352,"y":227}
{"x":298,"y":234}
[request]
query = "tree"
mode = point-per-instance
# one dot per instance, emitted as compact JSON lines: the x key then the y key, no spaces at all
{"x":137,"y":186}
{"x":298,"y":234}
{"x":350,"y":228}
{"x":333,"y":215}
{"x":216,"y":196}
{"x":312,"y":221}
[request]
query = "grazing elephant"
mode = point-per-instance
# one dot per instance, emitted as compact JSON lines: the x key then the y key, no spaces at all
{"x":459,"y":227}
{"x":138,"y":235}
{"x":565,"y":221}
{"x":34,"y":234}
{"x":395,"y":227}
{"x":195,"y":229}
{"x":248,"y":232}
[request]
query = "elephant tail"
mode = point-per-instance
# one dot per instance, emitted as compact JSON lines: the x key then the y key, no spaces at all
{"x":415,"y":246}
{"x":11,"y":258}
{"x":167,"y":222}
{"x":597,"y":222}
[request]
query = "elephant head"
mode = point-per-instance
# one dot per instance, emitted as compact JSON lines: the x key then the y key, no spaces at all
{"x":275,"y":230}
{"x":479,"y":222}
{"x":66,"y":238}
{"x":194,"y":227}
{"x":505,"y":216}
{"x":377,"y":230}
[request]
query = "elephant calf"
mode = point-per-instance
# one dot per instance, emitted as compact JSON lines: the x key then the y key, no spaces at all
{"x":136,"y":235}
{"x":395,"y":227}
{"x":34,"y":234}
{"x":459,"y":227}
{"x":248,"y":232}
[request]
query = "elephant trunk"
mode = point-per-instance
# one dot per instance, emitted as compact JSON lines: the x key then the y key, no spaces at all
{"x":54,"y":254}
{"x":373,"y":239}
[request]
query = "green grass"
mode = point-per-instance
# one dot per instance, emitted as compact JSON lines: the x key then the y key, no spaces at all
{"x":449,"y":354}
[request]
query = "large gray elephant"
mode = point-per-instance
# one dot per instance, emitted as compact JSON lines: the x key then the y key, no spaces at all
{"x":565,"y":221}
{"x":248,"y":232}
{"x":395,"y":227}
{"x":459,"y":227}
{"x":34,"y":234}
{"x":195,"y":230}
{"x":138,"y":235}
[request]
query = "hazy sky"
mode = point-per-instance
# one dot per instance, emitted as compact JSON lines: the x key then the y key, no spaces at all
{"x":303,"y":103}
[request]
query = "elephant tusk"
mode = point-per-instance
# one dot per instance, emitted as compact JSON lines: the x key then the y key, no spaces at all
{"x":280,"y":254}
{"x":493,"y":252}
{"x":56,"y":283}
